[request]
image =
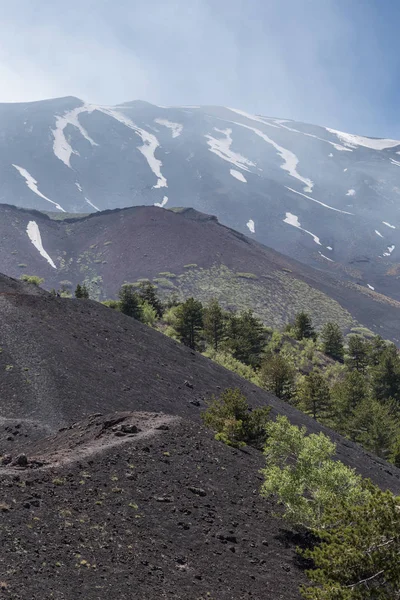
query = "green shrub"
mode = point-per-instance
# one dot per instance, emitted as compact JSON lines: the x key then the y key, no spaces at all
{"x":234,"y":422}
{"x":229,"y":362}
{"x":190,"y":266}
{"x":301,"y":473}
{"x":33,"y":279}
{"x":22,"y":266}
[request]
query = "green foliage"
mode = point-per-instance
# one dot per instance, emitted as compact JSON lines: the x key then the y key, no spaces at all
{"x":277,"y":376}
{"x":147,"y":293}
{"x":314,"y":395}
{"x":246,"y":337}
{"x":301,"y":474}
{"x":189,"y":322}
{"x":303,"y":327}
{"x":357,"y":359}
{"x":81,"y":291}
{"x":114,"y":304}
{"x":214,"y":324}
{"x":148,"y":314}
{"x":33,"y":279}
{"x":358,"y":559}
{"x":129,"y":302}
{"x":386,"y":375}
{"x":225,"y":359}
{"x":234,"y":422}
{"x":332,"y":341}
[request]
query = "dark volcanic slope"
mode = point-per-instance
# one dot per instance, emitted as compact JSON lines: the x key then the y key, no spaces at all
{"x":64,"y":359}
{"x":109,"y":248}
{"x":163,"y":514}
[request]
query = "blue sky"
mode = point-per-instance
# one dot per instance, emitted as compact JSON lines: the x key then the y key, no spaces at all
{"x":330,"y":62}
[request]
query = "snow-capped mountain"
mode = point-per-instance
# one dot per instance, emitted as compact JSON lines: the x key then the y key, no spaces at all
{"x":328,"y":198}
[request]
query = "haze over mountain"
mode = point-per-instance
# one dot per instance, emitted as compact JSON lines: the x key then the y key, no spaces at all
{"x":327,"y":198}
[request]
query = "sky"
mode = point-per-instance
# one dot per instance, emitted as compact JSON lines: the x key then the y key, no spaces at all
{"x":329,"y":62}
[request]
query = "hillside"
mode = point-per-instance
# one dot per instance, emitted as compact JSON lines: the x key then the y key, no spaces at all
{"x":324,"y":197}
{"x":184,"y":252}
{"x":65,"y":359}
{"x":123,"y":486}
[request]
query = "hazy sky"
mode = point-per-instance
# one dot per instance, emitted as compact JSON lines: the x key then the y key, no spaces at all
{"x":330,"y":62}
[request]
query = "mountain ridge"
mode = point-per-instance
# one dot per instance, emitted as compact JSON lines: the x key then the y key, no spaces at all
{"x":324,"y":197}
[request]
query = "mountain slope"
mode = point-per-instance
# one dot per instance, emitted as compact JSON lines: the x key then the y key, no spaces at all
{"x":137,"y":503}
{"x":324,"y":197}
{"x":64,"y":359}
{"x":184,"y":252}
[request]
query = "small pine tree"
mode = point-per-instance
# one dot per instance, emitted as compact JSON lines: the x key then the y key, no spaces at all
{"x":129,"y":302}
{"x":303,"y":327}
{"x":246,"y":338}
{"x":314,"y":395}
{"x":277,"y":376}
{"x":189,"y":322}
{"x":214,"y":324}
{"x":85,"y":292}
{"x":235,"y":423}
{"x":386,"y":375}
{"x":147,"y":292}
{"x":332,"y":341}
{"x":78,"y":291}
{"x":357,"y":353}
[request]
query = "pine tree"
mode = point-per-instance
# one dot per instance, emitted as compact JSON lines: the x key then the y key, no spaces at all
{"x":357,"y":353}
{"x":332,"y":341}
{"x":246,"y":338}
{"x":189,"y":322}
{"x":78,"y":291}
{"x":358,"y":558}
{"x":346,"y":396}
{"x":129,"y":302}
{"x":214,"y":324}
{"x":386,"y":376}
{"x":303,"y":327}
{"x":147,"y":292}
{"x":277,"y":376}
{"x":314,"y":395}
{"x":85,"y":292}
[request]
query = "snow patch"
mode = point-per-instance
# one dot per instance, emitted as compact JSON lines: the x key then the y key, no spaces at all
{"x":352,"y":141}
{"x":238,"y":175}
{"x":176,"y":128}
{"x":390,"y":250}
{"x":329,"y":248}
{"x":91,"y":204}
{"x":370,"y":287}
{"x":163,"y":203}
{"x":323,"y":256}
{"x":61,"y":147}
{"x":250,"y":225}
{"x":388,"y":225}
{"x":377,"y":233}
{"x":330,"y":155}
{"x":318,"y":202}
{"x":34,"y":235}
{"x":79,"y":187}
{"x":150,"y":143}
{"x":291,"y":219}
{"x":344,"y":170}
{"x":222,"y":148}
{"x":351,"y":193}
{"x":395,"y":162}
{"x":336,"y":146}
{"x":242,"y":113}
{"x":290,"y":159}
{"x":32,"y":185}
